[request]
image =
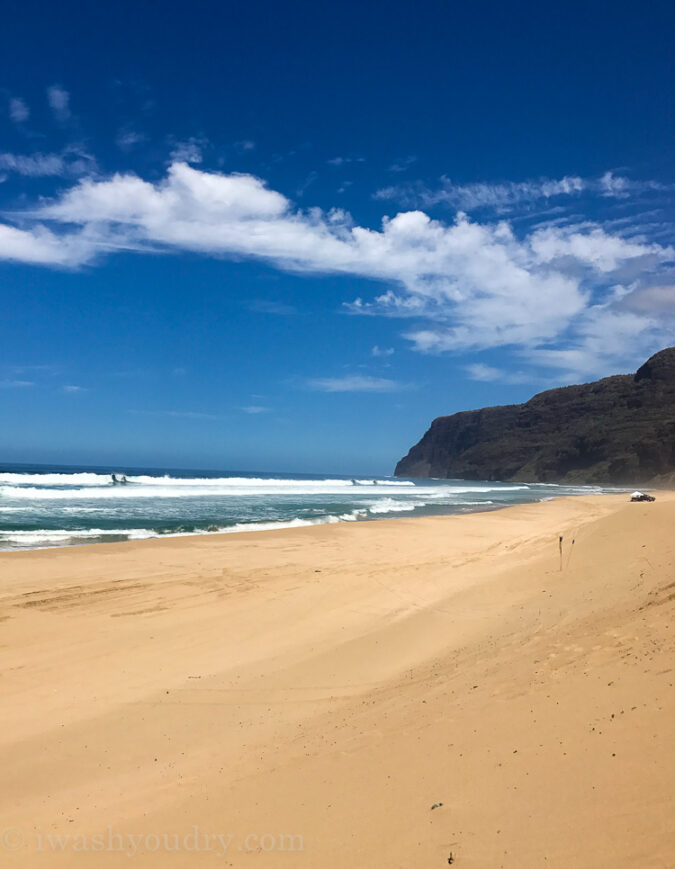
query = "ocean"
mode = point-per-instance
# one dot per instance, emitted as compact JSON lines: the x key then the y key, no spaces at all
{"x":45,"y":506}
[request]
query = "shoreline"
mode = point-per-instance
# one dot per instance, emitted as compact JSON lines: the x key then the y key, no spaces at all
{"x":281,"y":525}
{"x":291,"y":524}
{"x":391,"y":691}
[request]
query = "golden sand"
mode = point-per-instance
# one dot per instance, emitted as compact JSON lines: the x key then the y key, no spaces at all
{"x":383,"y":694}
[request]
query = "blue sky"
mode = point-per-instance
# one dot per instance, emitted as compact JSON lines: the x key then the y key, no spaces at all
{"x":287,"y":236}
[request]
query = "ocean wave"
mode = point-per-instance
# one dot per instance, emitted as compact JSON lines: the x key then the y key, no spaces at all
{"x":104,"y":480}
{"x":474,"y":503}
{"x":390,"y":505}
{"x":35,"y":538}
{"x":46,"y":538}
{"x":238,"y":527}
{"x":238,"y":487}
{"x":134,"y":492}
{"x":37,"y":508}
{"x":486,"y":487}
{"x":83,"y":479}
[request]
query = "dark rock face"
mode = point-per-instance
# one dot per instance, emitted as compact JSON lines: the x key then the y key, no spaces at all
{"x":616,"y":431}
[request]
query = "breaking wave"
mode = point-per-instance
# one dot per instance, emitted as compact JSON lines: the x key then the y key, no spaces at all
{"x":55,"y":507}
{"x":40,"y":538}
{"x":104,"y":480}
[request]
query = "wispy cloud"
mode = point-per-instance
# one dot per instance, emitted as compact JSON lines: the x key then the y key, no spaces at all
{"x":354,"y":383}
{"x":310,"y":178}
{"x":488,"y":374}
{"x":178,"y":414}
{"x":33,"y":165}
{"x":485,"y":373}
{"x":344,"y":161}
{"x":403,"y":164}
{"x":255,"y":409}
{"x":72,"y":162}
{"x":382,"y":351}
{"x":268,"y":306}
{"x":41,"y":369}
{"x":59,"y":102}
{"x":127,"y":139}
{"x":15,"y":384}
{"x":509,"y":194}
{"x":18,"y":110}
{"x":189,"y":151}
{"x":72,"y":389}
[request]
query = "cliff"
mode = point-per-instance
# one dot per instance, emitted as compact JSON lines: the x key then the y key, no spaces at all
{"x":615,"y":431}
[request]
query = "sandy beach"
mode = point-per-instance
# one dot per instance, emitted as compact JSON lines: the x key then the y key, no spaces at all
{"x":406,"y":693}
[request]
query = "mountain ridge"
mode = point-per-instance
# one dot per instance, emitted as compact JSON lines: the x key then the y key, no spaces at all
{"x":619,"y":430}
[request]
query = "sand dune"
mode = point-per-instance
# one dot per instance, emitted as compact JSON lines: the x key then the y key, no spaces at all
{"x":383,"y":694}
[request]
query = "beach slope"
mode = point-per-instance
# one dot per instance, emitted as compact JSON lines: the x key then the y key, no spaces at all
{"x":410,"y":693}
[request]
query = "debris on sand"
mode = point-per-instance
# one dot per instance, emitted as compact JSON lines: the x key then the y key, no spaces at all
{"x":641,"y":496}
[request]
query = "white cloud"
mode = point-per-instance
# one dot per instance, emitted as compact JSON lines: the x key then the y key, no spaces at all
{"x":506,"y":195}
{"x":15,"y":384}
{"x":33,"y":165}
{"x":343,"y":161}
{"x":485,"y":373}
{"x":613,"y":185}
{"x":40,"y":246}
{"x":178,"y":414}
{"x":655,"y":300}
{"x":18,"y":110}
{"x":619,"y":187}
{"x":59,"y":102}
{"x":484,"y":195}
{"x":608,"y":340}
{"x":354,"y":383}
{"x":468,"y":285}
{"x":255,"y":409}
{"x":127,"y":139}
{"x":594,"y":248}
{"x":176,"y":210}
{"x":402,"y":164}
{"x":72,"y":162}
{"x":190,"y":151}
{"x":488,"y":374}
{"x":382,"y":351}
{"x":72,"y":389}
{"x":481,"y":271}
